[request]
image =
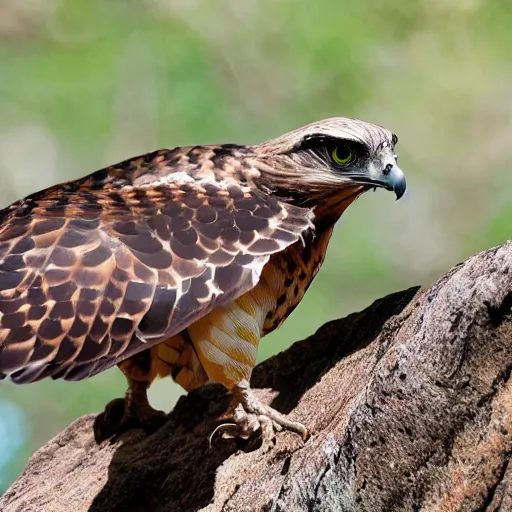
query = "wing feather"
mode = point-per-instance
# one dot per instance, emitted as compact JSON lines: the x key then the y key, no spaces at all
{"x":90,"y":276}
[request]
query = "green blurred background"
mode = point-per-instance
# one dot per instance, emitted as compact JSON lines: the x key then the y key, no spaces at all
{"x":88,"y":83}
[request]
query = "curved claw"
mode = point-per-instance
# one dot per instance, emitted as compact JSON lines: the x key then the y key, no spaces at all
{"x":222,"y":426}
{"x":250,"y":415}
{"x":251,"y":404}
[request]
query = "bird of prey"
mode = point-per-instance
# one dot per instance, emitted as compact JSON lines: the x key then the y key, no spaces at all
{"x":178,"y":262}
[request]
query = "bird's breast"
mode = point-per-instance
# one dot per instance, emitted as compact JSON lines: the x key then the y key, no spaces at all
{"x":226,"y":340}
{"x":287,"y":276}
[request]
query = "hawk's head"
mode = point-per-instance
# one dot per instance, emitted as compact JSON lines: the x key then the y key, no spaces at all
{"x":329,"y":163}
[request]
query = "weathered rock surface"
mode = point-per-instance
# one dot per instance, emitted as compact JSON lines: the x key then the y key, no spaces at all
{"x":409,"y":402}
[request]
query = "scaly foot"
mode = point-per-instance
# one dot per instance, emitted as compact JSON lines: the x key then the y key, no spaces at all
{"x":123,"y":414}
{"x":250,"y":415}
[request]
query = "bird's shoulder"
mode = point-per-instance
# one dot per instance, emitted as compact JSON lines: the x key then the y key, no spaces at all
{"x":141,"y":183}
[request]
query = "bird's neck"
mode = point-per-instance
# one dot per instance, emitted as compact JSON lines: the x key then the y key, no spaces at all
{"x":331,"y":206}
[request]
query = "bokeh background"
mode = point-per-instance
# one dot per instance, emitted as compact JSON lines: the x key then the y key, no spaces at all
{"x":87,"y":83}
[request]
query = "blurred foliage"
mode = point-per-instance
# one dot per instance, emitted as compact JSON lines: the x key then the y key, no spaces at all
{"x":84,"y":84}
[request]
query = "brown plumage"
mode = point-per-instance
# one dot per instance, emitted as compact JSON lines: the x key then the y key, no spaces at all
{"x":178,"y":261}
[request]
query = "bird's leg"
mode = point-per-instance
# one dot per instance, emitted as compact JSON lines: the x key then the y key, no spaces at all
{"x":250,"y":415}
{"x":133,"y":411}
{"x":226,"y":343}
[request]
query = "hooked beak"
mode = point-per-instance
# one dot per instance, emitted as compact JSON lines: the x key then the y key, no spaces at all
{"x":394,"y":179}
{"x":391,"y":178}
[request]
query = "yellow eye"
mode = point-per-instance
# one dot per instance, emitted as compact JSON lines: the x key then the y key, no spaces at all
{"x":342,"y":155}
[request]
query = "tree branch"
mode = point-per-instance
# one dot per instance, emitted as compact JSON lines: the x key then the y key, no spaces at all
{"x":409,"y":402}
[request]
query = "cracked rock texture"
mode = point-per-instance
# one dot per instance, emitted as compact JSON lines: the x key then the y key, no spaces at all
{"x":409,"y":403}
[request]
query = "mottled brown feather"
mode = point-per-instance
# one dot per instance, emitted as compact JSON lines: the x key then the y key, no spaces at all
{"x":95,"y":270}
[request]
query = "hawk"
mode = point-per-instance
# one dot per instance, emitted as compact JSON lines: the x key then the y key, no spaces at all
{"x":178,"y":262}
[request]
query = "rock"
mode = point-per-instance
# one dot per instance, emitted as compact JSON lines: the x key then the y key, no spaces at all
{"x":409,"y":403}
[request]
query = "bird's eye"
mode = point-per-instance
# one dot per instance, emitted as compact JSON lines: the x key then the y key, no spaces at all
{"x":343,"y":154}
